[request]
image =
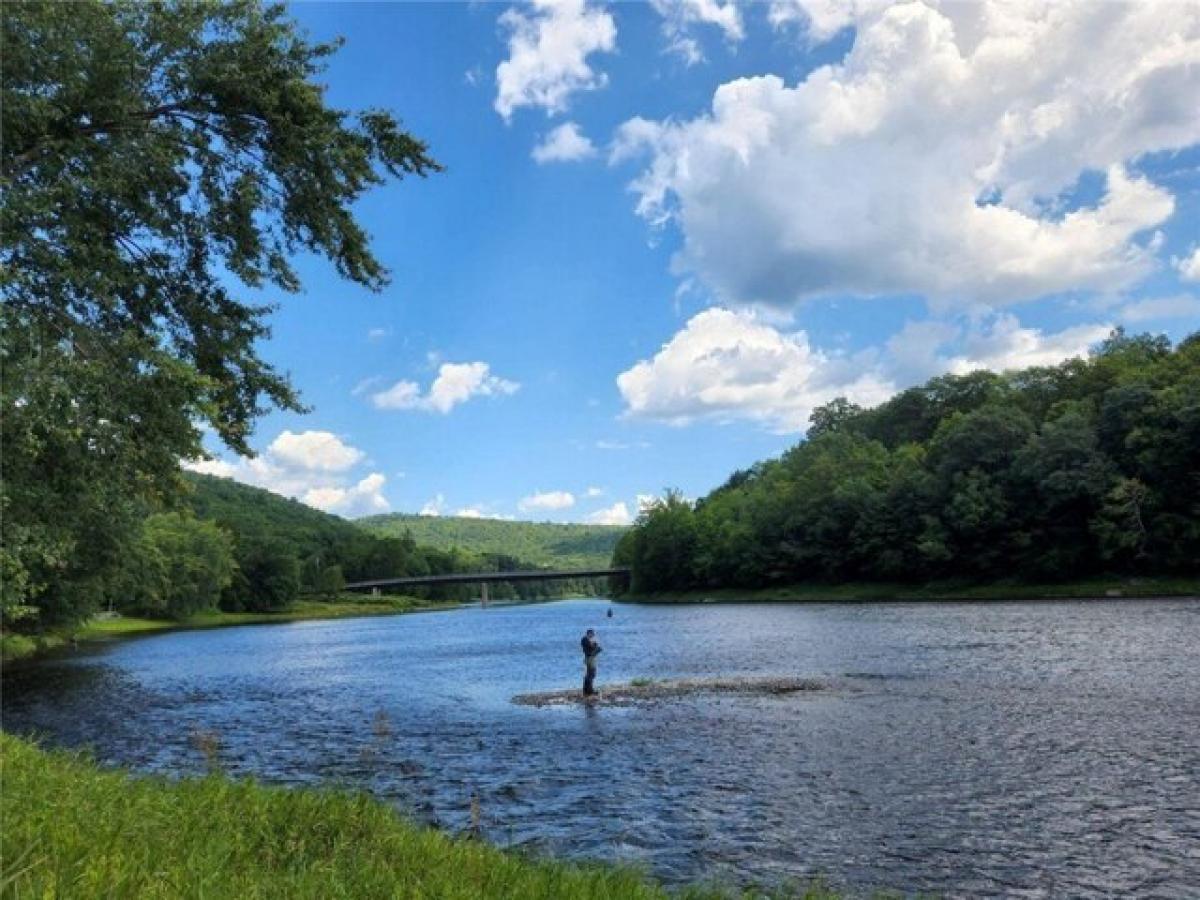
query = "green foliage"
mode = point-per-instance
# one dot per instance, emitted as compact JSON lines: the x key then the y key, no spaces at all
{"x":150,"y":148}
{"x":178,"y":567}
{"x":553,"y":544}
{"x":1055,"y":473}
{"x":72,"y":830}
{"x":327,"y":547}
{"x":267,"y":578}
{"x":331,"y":581}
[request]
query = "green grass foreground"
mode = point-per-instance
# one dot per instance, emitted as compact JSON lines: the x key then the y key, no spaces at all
{"x":1099,"y":588}
{"x":71,"y":829}
{"x":16,"y":647}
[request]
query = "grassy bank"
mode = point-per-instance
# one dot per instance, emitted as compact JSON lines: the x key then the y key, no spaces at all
{"x":14,"y":647}
{"x":74,"y":830}
{"x":875,"y":592}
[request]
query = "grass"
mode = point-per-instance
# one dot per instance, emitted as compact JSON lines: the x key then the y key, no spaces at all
{"x":301,"y":610}
{"x":72,"y":830}
{"x":1005,"y":590}
{"x":15,"y":647}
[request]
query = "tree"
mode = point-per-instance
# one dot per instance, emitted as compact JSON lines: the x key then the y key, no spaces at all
{"x":183,"y":568}
{"x":267,"y":577}
{"x":155,"y":155}
{"x":833,"y":416}
{"x":1086,"y":468}
{"x":331,"y":582}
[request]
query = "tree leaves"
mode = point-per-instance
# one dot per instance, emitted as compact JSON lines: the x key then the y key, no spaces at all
{"x":1048,"y":473}
{"x":159,"y":161}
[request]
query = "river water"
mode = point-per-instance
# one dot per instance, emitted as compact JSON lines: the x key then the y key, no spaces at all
{"x":1031,"y":749}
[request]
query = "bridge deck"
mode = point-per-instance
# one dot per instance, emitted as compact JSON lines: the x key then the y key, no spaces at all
{"x":483,"y":577}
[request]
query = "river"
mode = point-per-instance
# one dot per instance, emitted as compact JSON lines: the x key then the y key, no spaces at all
{"x":1033,"y":749}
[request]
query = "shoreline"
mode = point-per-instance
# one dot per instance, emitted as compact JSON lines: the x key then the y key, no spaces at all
{"x":997,"y":592}
{"x":31,"y":650}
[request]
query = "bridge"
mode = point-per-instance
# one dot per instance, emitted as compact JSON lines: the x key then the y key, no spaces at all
{"x":483,"y":579}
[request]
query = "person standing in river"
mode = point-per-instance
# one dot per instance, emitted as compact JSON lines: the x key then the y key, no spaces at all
{"x":591,"y":649}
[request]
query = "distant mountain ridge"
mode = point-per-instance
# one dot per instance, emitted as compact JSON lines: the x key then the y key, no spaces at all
{"x":565,"y":545}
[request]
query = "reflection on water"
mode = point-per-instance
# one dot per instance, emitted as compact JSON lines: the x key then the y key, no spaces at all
{"x":1047,"y":749}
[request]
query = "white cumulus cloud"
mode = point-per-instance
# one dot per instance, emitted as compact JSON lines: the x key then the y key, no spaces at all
{"x":1010,"y":345}
{"x":941,"y":156}
{"x":728,"y":366}
{"x":455,"y":383}
{"x":547,"y":500}
{"x":566,"y":143}
{"x":681,"y":16}
{"x":617,"y":514}
{"x":358,"y":499}
{"x":548,"y":50}
{"x":320,"y":450}
{"x":310,"y":466}
{"x":1189,"y":266}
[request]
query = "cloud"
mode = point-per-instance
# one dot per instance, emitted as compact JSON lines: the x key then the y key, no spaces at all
{"x":547,"y":500}
{"x":1153,"y":309}
{"x":455,"y":383}
{"x":434,"y":506}
{"x":378,"y":334}
{"x":728,"y":366}
{"x":594,"y":492}
{"x":942,"y":156}
{"x":621,"y":445}
{"x":470,"y":512}
{"x":1009,"y":345}
{"x":566,"y":143}
{"x":548,"y":51}
{"x":822,"y":18}
{"x":1189,"y":266}
{"x":361,"y":498}
{"x":218,"y":467}
{"x":310,"y":466}
{"x":319,"y":450}
{"x":617,"y":514}
{"x":365,"y":385}
{"x":680,"y":17}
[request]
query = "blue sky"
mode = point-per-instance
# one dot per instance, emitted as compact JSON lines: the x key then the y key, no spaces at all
{"x":736,"y":213}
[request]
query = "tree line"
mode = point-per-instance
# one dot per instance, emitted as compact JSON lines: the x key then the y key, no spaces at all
{"x":243,"y":549}
{"x":1044,"y":474}
{"x":564,"y":545}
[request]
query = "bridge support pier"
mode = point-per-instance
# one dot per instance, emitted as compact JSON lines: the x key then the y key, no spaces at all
{"x":483,"y":594}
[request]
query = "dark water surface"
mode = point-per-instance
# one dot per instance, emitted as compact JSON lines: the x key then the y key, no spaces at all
{"x":1031,"y":749}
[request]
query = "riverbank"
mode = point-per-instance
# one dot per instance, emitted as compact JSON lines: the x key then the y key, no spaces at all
{"x":72,"y":829}
{"x":21,"y":648}
{"x":868,"y":592}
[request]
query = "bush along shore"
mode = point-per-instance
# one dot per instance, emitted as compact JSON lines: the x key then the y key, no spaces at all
{"x":873,"y":592}
{"x":72,"y":829}
{"x":20,"y":648}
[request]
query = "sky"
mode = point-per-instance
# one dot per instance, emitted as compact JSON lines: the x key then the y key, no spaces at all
{"x":667,"y":231}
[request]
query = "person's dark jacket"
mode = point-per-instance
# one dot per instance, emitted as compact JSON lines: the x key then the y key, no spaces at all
{"x":590,"y":647}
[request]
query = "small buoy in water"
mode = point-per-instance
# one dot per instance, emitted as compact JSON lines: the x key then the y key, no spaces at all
{"x":610,"y":612}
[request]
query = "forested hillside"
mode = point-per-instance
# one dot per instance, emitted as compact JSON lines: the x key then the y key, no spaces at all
{"x":326,"y":551}
{"x":544,"y":543}
{"x":1090,"y":467}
